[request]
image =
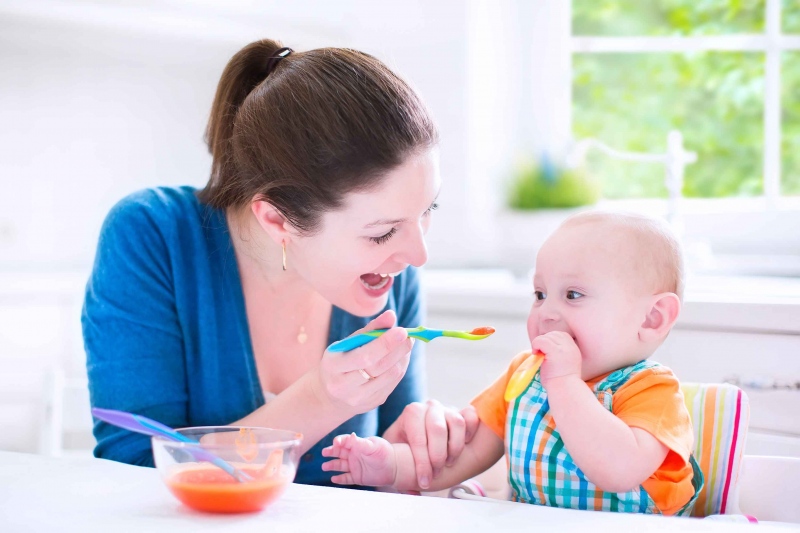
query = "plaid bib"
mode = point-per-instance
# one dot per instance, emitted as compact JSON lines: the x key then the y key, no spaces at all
{"x":541,"y":471}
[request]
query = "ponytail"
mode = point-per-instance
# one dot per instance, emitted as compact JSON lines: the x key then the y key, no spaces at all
{"x":246,"y":70}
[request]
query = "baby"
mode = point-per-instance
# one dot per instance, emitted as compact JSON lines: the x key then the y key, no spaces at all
{"x":599,"y":426}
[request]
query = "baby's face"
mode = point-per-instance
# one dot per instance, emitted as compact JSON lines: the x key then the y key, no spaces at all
{"x":585,"y":285}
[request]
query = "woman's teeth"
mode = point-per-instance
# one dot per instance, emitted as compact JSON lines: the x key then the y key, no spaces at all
{"x":376,"y":280}
{"x":384,"y":279}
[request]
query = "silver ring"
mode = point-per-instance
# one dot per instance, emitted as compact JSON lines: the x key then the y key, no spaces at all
{"x":365,"y":374}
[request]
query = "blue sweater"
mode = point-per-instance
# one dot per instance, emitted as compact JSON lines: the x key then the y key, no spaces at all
{"x":166,"y":333}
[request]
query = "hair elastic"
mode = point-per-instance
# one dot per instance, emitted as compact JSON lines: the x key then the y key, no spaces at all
{"x":275,"y":59}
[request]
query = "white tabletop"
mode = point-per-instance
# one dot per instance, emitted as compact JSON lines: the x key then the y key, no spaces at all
{"x":84,"y":494}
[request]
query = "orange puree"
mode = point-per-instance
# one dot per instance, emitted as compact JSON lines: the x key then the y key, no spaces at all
{"x":207,"y":488}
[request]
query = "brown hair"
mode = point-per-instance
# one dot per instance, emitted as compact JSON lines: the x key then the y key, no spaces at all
{"x":321,"y":124}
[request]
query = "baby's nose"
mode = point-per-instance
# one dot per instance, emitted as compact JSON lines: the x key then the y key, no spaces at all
{"x":548,"y":314}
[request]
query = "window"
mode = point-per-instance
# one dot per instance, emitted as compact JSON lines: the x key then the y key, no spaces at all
{"x":726,"y":73}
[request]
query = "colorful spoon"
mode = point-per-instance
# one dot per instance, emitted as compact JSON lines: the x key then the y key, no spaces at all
{"x":523,"y":375}
{"x":421,"y":333}
{"x":142,"y":424}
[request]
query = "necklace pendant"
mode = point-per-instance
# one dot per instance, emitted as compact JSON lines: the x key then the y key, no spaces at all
{"x":302,"y":337}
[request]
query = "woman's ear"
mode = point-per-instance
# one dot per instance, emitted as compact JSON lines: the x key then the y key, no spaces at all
{"x":271,"y":220}
{"x":660,"y":318}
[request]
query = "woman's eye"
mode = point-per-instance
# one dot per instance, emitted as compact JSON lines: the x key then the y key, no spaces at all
{"x":573,"y":295}
{"x":434,"y":206}
{"x":539,"y":295}
{"x":383,"y":238}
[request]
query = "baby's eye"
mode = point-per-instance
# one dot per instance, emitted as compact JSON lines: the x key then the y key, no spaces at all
{"x":573,"y":295}
{"x":539,"y":295}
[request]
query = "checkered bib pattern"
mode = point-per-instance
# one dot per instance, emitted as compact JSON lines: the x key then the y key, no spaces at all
{"x":543,"y":472}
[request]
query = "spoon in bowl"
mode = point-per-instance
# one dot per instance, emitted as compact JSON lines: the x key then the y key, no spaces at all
{"x":147,"y":426}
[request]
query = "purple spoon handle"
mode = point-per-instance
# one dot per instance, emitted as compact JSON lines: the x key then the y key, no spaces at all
{"x":147,"y":426}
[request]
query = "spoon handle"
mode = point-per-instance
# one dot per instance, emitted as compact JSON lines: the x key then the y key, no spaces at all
{"x":137,"y":423}
{"x":356,"y":341}
{"x":147,"y":426}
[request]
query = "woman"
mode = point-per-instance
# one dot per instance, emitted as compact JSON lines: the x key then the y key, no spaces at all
{"x":215,"y":307}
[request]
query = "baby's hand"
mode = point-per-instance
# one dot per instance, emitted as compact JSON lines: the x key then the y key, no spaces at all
{"x":369,"y":462}
{"x":562,"y":356}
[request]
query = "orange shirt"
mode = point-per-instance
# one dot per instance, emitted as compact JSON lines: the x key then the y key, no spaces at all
{"x":651,"y":400}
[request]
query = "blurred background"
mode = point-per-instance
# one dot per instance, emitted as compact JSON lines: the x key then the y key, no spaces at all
{"x":686,"y":109}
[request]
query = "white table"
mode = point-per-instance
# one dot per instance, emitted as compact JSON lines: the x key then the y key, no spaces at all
{"x":84,"y":494}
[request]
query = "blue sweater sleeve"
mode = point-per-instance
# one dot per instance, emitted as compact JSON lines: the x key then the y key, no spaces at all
{"x":132,"y":336}
{"x":410,"y":314}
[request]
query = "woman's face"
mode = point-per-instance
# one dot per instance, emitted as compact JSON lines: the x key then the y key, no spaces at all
{"x":359,"y":249}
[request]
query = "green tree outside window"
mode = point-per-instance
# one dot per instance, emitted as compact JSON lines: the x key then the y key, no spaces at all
{"x":716,"y":99}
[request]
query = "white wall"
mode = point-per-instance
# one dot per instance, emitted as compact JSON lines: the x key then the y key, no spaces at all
{"x":102,"y":98}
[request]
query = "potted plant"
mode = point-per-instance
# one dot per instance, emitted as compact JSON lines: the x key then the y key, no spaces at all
{"x":542,"y":185}
{"x":540,"y":196}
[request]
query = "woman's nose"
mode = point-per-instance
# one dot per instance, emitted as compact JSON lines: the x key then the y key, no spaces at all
{"x":415,"y":251}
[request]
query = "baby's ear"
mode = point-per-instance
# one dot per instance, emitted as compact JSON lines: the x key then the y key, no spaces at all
{"x":661,"y":316}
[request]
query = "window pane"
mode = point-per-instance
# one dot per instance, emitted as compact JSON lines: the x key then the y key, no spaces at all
{"x":791,"y":16}
{"x":667,"y":17}
{"x":790,"y":162}
{"x":631,"y":101}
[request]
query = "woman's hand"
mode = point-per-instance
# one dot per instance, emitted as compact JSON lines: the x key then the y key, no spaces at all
{"x":436,"y":435}
{"x":360,"y":380}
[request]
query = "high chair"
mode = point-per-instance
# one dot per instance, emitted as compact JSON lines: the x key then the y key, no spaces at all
{"x":720,"y":413}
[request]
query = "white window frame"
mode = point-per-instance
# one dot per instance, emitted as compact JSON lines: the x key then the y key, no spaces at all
{"x":772,"y":43}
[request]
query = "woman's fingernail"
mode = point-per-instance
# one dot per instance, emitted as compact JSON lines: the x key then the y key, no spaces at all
{"x":424,"y":482}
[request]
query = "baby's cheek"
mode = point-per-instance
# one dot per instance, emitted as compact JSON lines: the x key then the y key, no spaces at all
{"x":531,"y":326}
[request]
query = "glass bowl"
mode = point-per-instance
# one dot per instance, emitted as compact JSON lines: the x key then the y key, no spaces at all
{"x":265,"y":461}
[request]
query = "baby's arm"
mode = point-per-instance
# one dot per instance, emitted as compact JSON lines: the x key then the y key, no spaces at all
{"x":376,"y":462}
{"x":613,"y":455}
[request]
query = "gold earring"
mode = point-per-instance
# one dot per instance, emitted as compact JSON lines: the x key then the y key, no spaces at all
{"x":283,"y":245}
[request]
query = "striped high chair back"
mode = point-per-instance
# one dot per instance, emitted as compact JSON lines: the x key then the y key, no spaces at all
{"x":720,"y":413}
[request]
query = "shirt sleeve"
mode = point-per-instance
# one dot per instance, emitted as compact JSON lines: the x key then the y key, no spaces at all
{"x":132,"y":337}
{"x":491,"y":404}
{"x":410,"y":314}
{"x":652,"y":400}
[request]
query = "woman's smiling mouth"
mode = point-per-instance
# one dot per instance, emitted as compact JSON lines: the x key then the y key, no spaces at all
{"x":377,"y":284}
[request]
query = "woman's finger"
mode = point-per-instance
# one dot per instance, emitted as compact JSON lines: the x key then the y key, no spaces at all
{"x":370,"y":354}
{"x":385,"y":320}
{"x":436,"y":431}
{"x":385,"y":363}
{"x":471,"y":421}
{"x":456,"y":435}
{"x":413,"y":429}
